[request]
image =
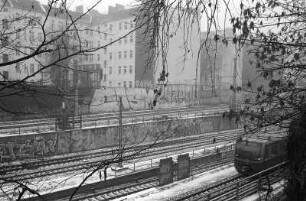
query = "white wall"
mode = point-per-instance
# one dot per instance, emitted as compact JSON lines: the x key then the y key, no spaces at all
{"x":183,"y":53}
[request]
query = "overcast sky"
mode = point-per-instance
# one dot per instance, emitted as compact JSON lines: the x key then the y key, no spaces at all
{"x":102,"y":7}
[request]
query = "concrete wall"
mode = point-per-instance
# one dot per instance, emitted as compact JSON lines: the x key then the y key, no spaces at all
{"x":63,"y":142}
{"x":174,"y":95}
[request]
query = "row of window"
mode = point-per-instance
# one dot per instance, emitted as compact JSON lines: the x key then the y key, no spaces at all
{"x":125,"y":39}
{"x":124,"y":84}
{"x":121,"y":26}
{"x":124,"y":68}
{"x":120,"y":56}
{"x":125,"y":54}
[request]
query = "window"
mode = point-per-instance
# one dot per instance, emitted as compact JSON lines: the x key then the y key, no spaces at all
{"x":131,"y":53}
{"x":32,"y":21}
{"x":31,"y":68}
{"x":131,"y":84}
{"x":131,"y":69}
{"x":98,"y":57}
{"x":5,"y":58}
{"x":125,"y":25}
{"x":119,"y":69}
{"x":119,"y":84}
{"x":40,"y":37}
{"x":91,"y":33}
{"x":86,"y":57}
{"x":86,"y":31}
{"x":120,"y":25}
{"x":110,"y":27}
{"x":52,"y":25}
{"x":104,"y":77}
{"x":125,"y":40}
{"x":5,"y":24}
{"x":125,"y":70}
{"x":131,"y":38}
{"x":18,"y":67}
{"x":32,"y":36}
{"x":110,"y":56}
{"x":124,"y":84}
{"x":25,"y":35}
{"x":131,"y":25}
{"x":119,"y":55}
{"x":4,"y":41}
{"x":120,"y":42}
{"x":125,"y":54}
{"x":91,"y":57}
{"x":105,"y":50}
{"x":110,"y":70}
{"x":18,"y":34}
{"x":99,"y":44}
{"x":105,"y":63}
{"x":271,"y":151}
{"x":60,"y":25}
{"x":5,"y":75}
{"x":110,"y":83}
{"x":18,"y":49}
{"x":105,"y":36}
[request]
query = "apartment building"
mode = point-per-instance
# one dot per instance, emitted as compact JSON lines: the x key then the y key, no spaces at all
{"x":19,"y":37}
{"x":220,"y":63}
{"x":121,"y":54}
{"x":118,"y":56}
{"x":127,"y":60}
{"x":22,"y":33}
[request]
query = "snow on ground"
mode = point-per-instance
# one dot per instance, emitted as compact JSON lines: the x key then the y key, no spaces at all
{"x":65,"y":181}
{"x":277,"y":188}
{"x":183,"y":186}
{"x":192,"y":183}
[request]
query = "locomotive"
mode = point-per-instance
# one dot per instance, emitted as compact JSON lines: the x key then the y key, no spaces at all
{"x":255,"y":154}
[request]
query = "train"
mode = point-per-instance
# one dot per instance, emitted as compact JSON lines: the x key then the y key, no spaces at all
{"x":255,"y":154}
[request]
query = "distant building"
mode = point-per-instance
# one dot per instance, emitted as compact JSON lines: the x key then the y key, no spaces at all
{"x":128,"y":62}
{"x":118,"y":58}
{"x":123,"y":63}
{"x":218,"y":65}
{"x":218,"y":62}
{"x":27,"y":17}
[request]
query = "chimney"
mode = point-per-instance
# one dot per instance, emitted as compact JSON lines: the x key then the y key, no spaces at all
{"x":79,"y":9}
{"x":119,"y":7}
{"x":113,"y":10}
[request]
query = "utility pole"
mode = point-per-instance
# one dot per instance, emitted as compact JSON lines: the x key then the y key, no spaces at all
{"x":76,"y":74}
{"x":120,"y":131}
{"x":234,"y":85}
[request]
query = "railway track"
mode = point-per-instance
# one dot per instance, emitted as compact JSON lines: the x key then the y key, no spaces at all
{"x":99,"y":194}
{"x":43,"y":168}
{"x":234,"y":188}
{"x":44,"y":125}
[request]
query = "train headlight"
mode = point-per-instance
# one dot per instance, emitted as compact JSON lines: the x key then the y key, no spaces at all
{"x":258,"y":158}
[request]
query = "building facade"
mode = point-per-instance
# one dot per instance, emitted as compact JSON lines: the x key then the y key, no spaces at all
{"x":26,"y":25}
{"x":118,"y":57}
{"x":130,"y":63}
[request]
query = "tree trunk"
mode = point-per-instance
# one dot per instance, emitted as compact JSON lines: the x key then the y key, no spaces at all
{"x":296,"y":183}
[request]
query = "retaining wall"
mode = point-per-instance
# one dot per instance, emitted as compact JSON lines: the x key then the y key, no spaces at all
{"x":20,"y":147}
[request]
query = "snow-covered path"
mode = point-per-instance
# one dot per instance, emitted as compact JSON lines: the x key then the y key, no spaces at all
{"x":183,"y":186}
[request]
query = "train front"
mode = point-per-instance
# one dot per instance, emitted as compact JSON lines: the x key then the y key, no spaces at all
{"x":248,"y":156}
